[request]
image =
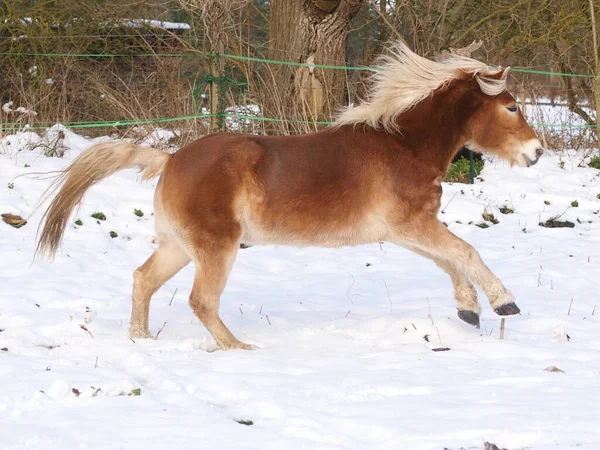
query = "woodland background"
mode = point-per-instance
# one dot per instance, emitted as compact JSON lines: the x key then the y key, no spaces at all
{"x":147,"y":82}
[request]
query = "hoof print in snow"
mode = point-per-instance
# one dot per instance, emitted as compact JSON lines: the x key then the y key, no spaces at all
{"x":13,"y":221}
{"x":554,"y":223}
{"x":469,"y":317}
{"x":510,"y":309}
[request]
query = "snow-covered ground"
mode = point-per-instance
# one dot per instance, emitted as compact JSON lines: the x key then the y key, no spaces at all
{"x":345,"y":335}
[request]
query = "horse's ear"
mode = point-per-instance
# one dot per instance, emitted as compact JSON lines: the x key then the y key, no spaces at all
{"x":500,"y":75}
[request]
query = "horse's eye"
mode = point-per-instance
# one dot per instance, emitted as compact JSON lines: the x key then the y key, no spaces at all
{"x":512,"y":108}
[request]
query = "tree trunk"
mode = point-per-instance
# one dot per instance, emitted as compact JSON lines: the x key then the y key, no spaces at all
{"x":314,"y":32}
{"x":574,"y":107}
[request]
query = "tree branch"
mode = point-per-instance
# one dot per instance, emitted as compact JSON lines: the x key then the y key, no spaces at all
{"x":571,"y":98}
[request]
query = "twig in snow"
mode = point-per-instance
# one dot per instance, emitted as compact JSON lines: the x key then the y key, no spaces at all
{"x":430,"y":316}
{"x":267,"y":316}
{"x":388,"y":293}
{"x":159,"y":331}
{"x":84,"y":328}
{"x":450,"y":201}
{"x":438,"y":333}
{"x":348,"y":291}
{"x":502,"y":328}
{"x":433,"y":323}
{"x":96,"y":363}
{"x":539,"y":279}
{"x":173,"y":296}
{"x":347,"y":314}
{"x":260,"y":312}
{"x":594,"y":310}
{"x":570,"y":304}
{"x":242,"y":312}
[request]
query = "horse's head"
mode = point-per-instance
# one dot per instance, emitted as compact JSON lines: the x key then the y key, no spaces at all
{"x":476,"y":99}
{"x":498,"y":126}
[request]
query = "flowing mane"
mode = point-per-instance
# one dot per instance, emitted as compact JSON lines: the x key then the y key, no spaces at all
{"x":404,"y":79}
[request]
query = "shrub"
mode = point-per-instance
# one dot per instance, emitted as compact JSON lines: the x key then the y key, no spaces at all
{"x":459,"y":171}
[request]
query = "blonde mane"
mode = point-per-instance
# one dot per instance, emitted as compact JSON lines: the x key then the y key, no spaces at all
{"x":404,"y":79}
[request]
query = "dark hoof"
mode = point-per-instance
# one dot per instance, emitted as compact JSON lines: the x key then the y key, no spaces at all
{"x":509,"y":309}
{"x":469,"y":316}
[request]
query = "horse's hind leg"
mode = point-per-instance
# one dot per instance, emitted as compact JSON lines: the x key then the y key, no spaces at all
{"x":213,"y":264}
{"x":434,"y":238}
{"x":165,"y":262}
{"x":464,"y":292}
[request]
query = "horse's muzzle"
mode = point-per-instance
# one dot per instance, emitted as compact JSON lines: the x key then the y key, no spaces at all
{"x":538,"y":154}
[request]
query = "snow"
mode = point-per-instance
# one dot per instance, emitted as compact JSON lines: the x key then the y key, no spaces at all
{"x":139,"y":23}
{"x":342,"y":360}
{"x":132,"y":23}
{"x":7,"y":109}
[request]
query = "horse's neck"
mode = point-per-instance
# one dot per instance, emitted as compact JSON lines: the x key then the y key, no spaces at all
{"x":435,"y":130}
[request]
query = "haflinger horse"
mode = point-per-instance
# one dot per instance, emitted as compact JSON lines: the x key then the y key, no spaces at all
{"x":375,"y":175}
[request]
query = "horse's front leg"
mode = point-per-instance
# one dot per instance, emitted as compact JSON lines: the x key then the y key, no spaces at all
{"x":464,"y":292}
{"x":433,"y":238}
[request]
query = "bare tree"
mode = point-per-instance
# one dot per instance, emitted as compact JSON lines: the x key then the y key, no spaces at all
{"x":312,"y":32}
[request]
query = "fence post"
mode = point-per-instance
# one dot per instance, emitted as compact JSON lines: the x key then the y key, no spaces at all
{"x":471,"y":168}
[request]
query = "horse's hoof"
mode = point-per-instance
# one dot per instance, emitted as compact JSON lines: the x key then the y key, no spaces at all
{"x":470,"y":317}
{"x":509,"y":309}
{"x":236,"y":345}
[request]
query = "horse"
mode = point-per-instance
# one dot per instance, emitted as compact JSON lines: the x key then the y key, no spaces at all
{"x":374,"y":175}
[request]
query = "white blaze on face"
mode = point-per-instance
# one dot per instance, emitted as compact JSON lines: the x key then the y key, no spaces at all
{"x":529,"y":152}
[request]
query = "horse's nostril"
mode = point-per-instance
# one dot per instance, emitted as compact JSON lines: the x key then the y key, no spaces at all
{"x":539,"y":151}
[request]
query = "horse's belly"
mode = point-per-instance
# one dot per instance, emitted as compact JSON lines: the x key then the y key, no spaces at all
{"x":319,"y":233}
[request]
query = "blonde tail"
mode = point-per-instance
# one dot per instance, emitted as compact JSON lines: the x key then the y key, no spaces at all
{"x":93,"y":165}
